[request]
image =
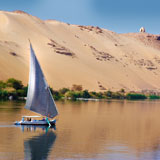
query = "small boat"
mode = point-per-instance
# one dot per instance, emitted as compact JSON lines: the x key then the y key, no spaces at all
{"x":33,"y":127}
{"x":31,"y":120}
{"x":39,"y":97}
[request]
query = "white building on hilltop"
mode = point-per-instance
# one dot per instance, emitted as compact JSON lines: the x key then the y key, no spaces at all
{"x":142,"y":29}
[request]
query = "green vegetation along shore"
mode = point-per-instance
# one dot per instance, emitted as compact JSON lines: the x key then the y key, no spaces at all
{"x":13,"y":89}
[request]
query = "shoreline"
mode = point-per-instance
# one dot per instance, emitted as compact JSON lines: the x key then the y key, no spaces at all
{"x":14,"y":89}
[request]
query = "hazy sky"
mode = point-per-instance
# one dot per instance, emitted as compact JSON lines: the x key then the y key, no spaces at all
{"x":116,"y":15}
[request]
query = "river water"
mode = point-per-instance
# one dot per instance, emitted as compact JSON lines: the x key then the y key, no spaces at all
{"x":112,"y":130}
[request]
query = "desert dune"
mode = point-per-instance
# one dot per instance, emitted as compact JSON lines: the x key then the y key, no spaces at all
{"x":93,"y":57}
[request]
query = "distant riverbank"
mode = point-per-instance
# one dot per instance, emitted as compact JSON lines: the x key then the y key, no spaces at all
{"x":13,"y":89}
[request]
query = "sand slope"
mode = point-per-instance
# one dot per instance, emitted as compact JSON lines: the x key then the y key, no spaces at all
{"x":70,"y":54}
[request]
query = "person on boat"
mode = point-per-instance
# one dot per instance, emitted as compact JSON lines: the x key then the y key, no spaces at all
{"x":22,"y":119}
{"x":28,"y":119}
{"x":48,"y":121}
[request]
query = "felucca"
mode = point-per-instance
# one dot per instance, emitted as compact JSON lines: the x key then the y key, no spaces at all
{"x":39,"y":97}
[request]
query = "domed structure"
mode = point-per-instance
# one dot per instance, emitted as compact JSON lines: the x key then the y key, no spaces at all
{"x":142,"y":29}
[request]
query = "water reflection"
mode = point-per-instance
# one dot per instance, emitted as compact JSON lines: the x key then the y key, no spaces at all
{"x":123,"y":130}
{"x":38,"y":147}
{"x":33,"y":128}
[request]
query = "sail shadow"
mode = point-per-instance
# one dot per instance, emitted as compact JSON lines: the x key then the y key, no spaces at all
{"x":39,"y":147}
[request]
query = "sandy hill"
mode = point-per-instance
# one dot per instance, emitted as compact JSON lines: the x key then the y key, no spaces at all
{"x":96,"y":58}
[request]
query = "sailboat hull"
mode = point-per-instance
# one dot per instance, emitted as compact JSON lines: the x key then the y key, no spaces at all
{"x":35,"y":122}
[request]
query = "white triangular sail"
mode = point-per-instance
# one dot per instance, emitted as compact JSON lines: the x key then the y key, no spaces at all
{"x":39,"y":98}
